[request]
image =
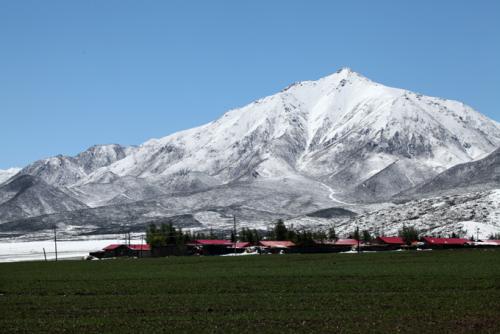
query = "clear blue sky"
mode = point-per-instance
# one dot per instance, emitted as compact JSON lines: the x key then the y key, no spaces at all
{"x":78,"y":73}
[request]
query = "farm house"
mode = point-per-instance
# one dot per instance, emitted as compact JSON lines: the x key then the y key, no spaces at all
{"x":388,"y":243}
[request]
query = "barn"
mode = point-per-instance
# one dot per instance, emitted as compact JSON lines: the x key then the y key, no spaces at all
{"x":388,"y":243}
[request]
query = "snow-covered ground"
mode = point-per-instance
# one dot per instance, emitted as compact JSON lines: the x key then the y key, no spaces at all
{"x":462,"y":214}
{"x":33,"y":250}
{"x":477,"y":229}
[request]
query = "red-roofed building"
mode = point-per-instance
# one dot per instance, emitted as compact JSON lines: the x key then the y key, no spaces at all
{"x":276,"y":244}
{"x":119,"y":250}
{"x":430,"y":242}
{"x":218,"y":247}
{"x":327,"y":246}
{"x":390,"y":241}
{"x":144,"y":247}
{"x":241,"y":245}
{"x":386,"y":243}
{"x":345,"y":242}
{"x":112,"y":247}
{"x":212,"y":242}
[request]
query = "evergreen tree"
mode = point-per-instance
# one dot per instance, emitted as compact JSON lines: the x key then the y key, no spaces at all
{"x":280,"y":231}
{"x":355,"y":234}
{"x":409,"y":234}
{"x":304,"y":238}
{"x":154,"y":237}
{"x":249,"y":235}
{"x":366,"y":236}
{"x":211,"y":235}
{"x":494,"y":236}
{"x":319,"y":235}
{"x":332,"y":235}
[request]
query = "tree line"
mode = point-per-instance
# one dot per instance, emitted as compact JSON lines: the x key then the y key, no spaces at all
{"x":167,"y":234}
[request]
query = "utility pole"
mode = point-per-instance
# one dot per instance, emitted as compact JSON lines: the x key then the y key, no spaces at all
{"x":357,"y":232}
{"x":234,"y":232}
{"x":55,"y":241}
{"x":477,"y":234}
{"x":142,"y":245}
{"x":44,"y":255}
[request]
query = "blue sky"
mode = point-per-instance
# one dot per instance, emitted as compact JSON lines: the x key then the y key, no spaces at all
{"x":74,"y":74}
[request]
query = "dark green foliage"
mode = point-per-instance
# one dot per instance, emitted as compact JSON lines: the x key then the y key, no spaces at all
{"x":211,"y":235}
{"x":300,"y":237}
{"x":494,"y":236}
{"x":280,"y":231}
{"x":366,"y":236}
{"x":167,"y":234}
{"x":154,"y":237}
{"x":355,"y":235}
{"x":304,"y":238}
{"x":405,"y":292}
{"x":332,"y":235}
{"x":248,"y":235}
{"x":409,"y":234}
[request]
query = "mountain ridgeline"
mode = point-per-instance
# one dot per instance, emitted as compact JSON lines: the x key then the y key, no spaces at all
{"x":343,"y":141}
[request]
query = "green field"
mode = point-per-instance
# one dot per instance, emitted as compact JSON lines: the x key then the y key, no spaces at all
{"x":410,"y":292}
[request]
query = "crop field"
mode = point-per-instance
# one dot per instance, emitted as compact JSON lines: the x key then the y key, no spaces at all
{"x":410,"y":292}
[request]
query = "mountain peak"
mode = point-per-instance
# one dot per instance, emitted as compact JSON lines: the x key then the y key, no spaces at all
{"x":346,"y":70}
{"x":347,"y":73}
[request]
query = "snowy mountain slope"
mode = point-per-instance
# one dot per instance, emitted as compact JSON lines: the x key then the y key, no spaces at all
{"x":127,"y":189}
{"x":481,"y":174}
{"x":439,"y":216}
{"x":6,"y":174}
{"x":63,"y":171}
{"x":401,"y":174}
{"x":27,"y":196}
{"x":256,"y":204}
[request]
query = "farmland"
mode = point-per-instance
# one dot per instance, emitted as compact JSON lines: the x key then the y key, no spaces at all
{"x":448,"y":291}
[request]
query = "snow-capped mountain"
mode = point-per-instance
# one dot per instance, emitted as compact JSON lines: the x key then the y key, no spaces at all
{"x":338,"y":141}
{"x":6,"y":174}
{"x":342,"y":130}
